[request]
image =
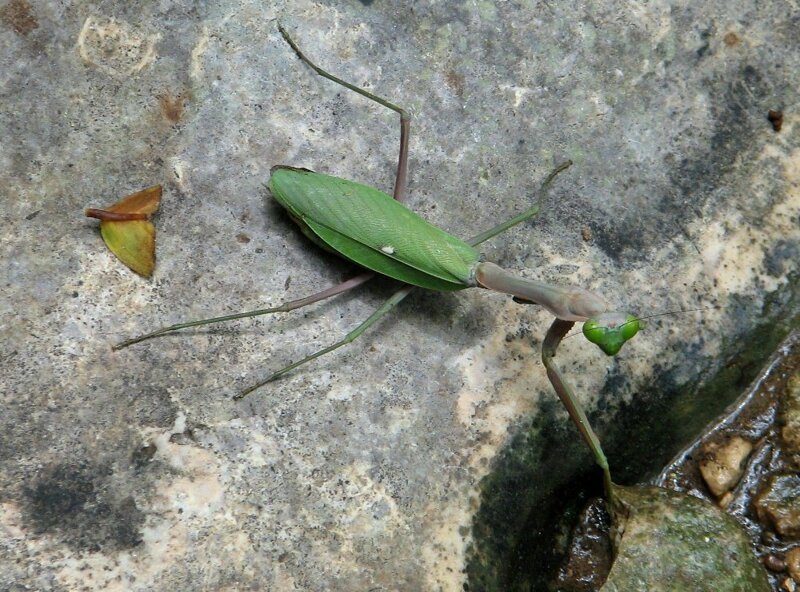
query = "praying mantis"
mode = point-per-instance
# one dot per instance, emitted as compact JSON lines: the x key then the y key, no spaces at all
{"x":382,"y":235}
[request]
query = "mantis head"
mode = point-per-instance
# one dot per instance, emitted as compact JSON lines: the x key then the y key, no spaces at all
{"x":610,"y":330}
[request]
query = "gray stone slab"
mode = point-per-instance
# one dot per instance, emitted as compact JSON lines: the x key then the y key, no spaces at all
{"x":134,"y":470}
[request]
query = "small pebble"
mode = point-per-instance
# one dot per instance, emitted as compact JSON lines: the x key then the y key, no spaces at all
{"x":723,"y":463}
{"x":777,"y":505}
{"x":774,"y":563}
{"x":792,"y":560}
{"x":776,"y":119}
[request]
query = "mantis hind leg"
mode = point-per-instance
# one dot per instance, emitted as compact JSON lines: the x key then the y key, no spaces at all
{"x":285,"y":307}
{"x":384,"y":309}
{"x":405,"y":119}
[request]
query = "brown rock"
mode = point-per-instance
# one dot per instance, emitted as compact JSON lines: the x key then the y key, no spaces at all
{"x":790,"y":420}
{"x":792,"y":560}
{"x":723,"y":463}
{"x":778,"y":504}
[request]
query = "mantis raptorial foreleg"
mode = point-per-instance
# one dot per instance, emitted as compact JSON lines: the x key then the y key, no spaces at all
{"x":558,"y":329}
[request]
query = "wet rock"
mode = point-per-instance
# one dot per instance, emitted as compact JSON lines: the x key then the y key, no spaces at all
{"x":778,"y":504}
{"x":790,"y":421}
{"x":724,"y":464}
{"x":665,"y":540}
{"x":792,"y":560}
{"x":774,"y":563}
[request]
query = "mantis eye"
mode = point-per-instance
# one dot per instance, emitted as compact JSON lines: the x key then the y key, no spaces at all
{"x":610,"y":331}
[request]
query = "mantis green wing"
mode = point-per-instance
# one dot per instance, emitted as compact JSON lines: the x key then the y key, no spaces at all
{"x":374,"y":230}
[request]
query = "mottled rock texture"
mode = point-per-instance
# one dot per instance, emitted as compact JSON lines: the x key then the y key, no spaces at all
{"x":134,"y":470}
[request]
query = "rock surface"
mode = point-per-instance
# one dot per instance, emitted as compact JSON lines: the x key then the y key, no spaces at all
{"x":134,"y":470}
{"x":778,"y":504}
{"x":724,"y":464}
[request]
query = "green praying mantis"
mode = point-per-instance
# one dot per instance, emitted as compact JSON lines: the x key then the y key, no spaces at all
{"x":378,"y":232}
